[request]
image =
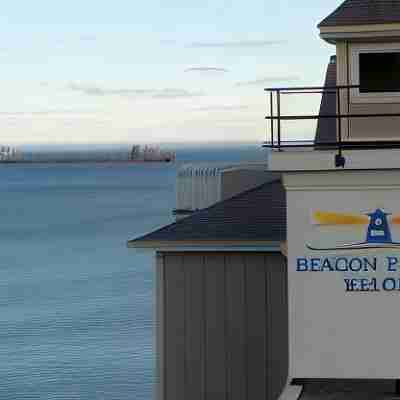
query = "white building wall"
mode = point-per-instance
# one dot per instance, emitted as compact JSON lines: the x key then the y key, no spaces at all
{"x":336,"y":332}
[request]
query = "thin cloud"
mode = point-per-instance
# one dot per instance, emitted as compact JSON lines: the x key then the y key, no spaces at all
{"x":88,"y":38}
{"x":168,"y":93}
{"x":175,"y":94}
{"x":221,"y":108}
{"x":238,"y":44}
{"x":266,"y":81}
{"x":206,"y":69}
{"x":44,"y":113}
{"x":92,"y":90}
{"x":168,"y":42}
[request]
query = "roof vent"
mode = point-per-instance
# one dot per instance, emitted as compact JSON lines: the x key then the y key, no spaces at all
{"x":333,"y":59}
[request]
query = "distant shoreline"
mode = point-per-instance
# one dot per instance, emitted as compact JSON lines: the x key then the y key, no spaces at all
{"x":102,"y":161}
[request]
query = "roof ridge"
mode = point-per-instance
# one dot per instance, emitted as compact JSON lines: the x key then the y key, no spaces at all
{"x":363,"y":12}
{"x":241,"y":194}
{"x":332,"y":13}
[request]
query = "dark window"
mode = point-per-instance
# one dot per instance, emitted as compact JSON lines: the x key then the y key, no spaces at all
{"x":379,"y":72}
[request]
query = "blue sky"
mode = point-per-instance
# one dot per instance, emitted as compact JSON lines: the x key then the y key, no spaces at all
{"x":125,"y":71}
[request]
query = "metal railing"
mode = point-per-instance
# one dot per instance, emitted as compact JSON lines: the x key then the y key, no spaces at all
{"x":275,"y":117}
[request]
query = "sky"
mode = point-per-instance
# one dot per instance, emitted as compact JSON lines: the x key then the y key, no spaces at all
{"x":124,"y":71}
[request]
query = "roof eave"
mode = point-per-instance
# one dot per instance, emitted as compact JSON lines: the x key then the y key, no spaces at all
{"x":387,"y":26}
{"x":328,"y":38}
{"x":332,"y":34}
{"x":208,"y":245}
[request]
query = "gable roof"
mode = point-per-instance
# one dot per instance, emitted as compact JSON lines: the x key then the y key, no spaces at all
{"x":364,"y":12}
{"x":255,"y":216}
{"x":326,"y":127}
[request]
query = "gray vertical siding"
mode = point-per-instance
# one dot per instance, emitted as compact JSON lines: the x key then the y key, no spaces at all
{"x":159,"y":337}
{"x":222,"y":326}
{"x":215,"y":350}
{"x":174,"y":350}
{"x":278,"y":332}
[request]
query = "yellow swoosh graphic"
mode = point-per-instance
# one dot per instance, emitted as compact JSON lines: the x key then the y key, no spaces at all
{"x":333,"y":218}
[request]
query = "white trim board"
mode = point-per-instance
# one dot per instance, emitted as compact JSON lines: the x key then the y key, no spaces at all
{"x":276,"y":248}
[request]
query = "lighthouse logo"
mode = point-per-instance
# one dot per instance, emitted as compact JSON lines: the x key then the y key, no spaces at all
{"x":378,"y":234}
{"x":378,"y":229}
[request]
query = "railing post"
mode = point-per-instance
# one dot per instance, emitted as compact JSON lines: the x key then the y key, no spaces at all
{"x":339,"y":159}
{"x":348,"y":112}
{"x":271,"y":99}
{"x":339,"y":114}
{"x":278,"y":100}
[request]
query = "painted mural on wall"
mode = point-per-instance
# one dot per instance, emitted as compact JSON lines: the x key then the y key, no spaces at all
{"x":374,"y":268}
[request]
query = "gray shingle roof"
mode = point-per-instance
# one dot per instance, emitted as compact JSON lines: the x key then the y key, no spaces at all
{"x":255,"y":215}
{"x":364,"y":12}
{"x":349,"y":389}
{"x":326,"y":128}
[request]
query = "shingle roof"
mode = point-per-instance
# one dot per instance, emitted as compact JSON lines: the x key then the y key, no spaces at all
{"x":326,"y":128}
{"x":257,"y":215}
{"x":348,"y":389}
{"x":364,"y":12}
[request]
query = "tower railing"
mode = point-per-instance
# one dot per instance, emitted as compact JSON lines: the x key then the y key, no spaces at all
{"x":342,"y":95}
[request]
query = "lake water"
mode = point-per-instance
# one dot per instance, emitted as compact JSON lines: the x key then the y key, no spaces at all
{"x":76,"y":306}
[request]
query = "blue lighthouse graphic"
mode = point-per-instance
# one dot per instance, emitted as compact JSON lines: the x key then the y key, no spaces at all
{"x":378,"y":234}
{"x":379,"y":229}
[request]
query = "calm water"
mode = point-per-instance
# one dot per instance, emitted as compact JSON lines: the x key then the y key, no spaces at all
{"x":75,"y":304}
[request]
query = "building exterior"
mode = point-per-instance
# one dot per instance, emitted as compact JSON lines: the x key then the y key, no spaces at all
{"x":222,"y":300}
{"x":201,"y":185}
{"x":292,"y":288}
